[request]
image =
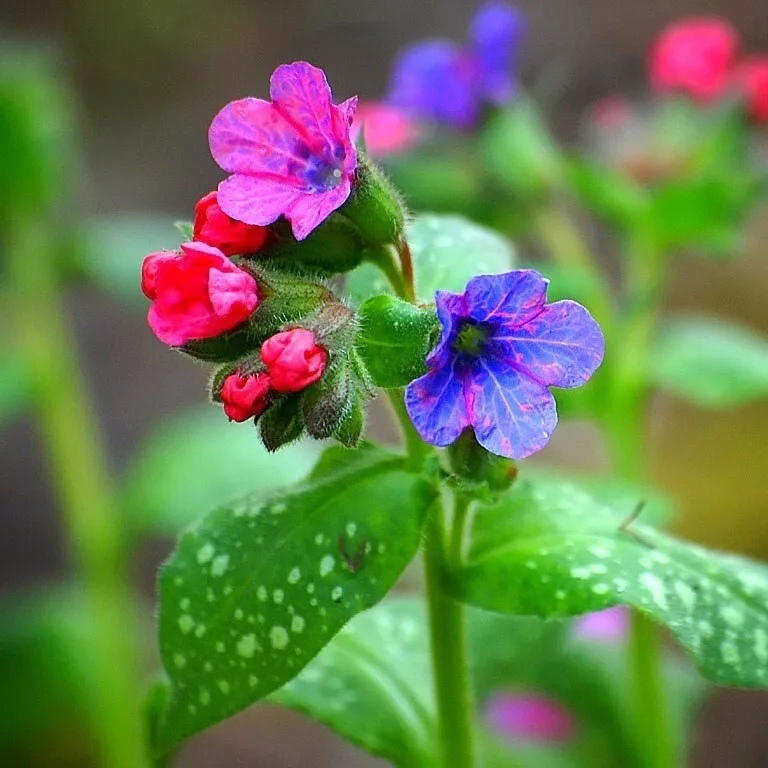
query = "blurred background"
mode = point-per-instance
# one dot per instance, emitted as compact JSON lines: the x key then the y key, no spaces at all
{"x":148,"y":77}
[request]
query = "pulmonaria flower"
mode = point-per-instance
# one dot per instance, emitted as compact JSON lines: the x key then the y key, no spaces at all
{"x":244,"y":395}
{"x":291,"y":157}
{"x":609,"y":625}
{"x":197,"y":294}
{"x":386,"y":130}
{"x":501,"y":349}
{"x":441,"y":81}
{"x":751,"y":78}
{"x":294,"y":360}
{"x":213,"y":227}
{"x":695,"y":57}
{"x":530,"y":717}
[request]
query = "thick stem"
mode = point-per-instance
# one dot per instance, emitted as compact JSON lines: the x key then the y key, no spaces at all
{"x":449,"y":651}
{"x":406,"y":267}
{"x":76,"y":461}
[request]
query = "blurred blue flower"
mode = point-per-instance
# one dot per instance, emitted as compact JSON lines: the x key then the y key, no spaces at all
{"x":443,"y":82}
{"x":501,"y":349}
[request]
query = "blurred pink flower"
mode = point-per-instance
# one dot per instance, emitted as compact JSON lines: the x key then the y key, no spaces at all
{"x":610,"y":625}
{"x":527,"y":716}
{"x":291,"y":157}
{"x":695,"y":57}
{"x":751,"y":79}
{"x":386,"y":130}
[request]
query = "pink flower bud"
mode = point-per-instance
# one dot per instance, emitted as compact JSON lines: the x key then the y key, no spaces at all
{"x":213,"y":227}
{"x":386,"y":130}
{"x":694,"y":56}
{"x":530,"y":717}
{"x":197,"y":294}
{"x":244,"y":396}
{"x":149,"y":271}
{"x":294,"y":360}
{"x":751,"y":79}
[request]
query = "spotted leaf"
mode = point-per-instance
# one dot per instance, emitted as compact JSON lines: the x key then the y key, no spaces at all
{"x":550,"y":549}
{"x":255,"y":590}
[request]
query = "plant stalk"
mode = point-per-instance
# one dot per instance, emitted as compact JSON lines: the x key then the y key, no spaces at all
{"x":75,"y":455}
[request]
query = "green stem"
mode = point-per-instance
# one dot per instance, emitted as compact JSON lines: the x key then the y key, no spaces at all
{"x":449,"y":651}
{"x":625,"y":429}
{"x":76,"y":458}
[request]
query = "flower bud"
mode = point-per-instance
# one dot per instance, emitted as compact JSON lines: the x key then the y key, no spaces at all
{"x":213,"y":227}
{"x":244,"y":395}
{"x":293,"y":359}
{"x":198,"y":294}
{"x":752,"y":81}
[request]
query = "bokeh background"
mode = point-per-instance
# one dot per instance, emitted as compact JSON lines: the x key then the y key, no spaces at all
{"x":150,"y":74}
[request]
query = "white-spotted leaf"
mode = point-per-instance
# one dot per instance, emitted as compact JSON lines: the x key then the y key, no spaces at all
{"x":549,"y":548}
{"x":261,"y":585}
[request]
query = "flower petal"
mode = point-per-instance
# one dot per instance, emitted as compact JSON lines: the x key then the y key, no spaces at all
{"x":512,"y":414}
{"x":512,"y":298}
{"x":495,"y":35}
{"x":256,"y":199}
{"x":450,"y":309}
{"x":562,"y":346}
{"x":435,"y":80}
{"x":435,"y":403}
{"x":309,"y":211}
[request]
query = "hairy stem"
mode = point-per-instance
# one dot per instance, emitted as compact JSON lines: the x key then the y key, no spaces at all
{"x":406,"y":268}
{"x":76,"y":460}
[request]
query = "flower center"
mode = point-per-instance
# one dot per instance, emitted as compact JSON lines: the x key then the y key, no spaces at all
{"x":470,"y":339}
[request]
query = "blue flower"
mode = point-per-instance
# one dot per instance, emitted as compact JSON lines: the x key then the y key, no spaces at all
{"x":501,"y":349}
{"x":443,"y":82}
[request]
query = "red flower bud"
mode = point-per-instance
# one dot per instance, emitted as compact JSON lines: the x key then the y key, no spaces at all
{"x":294,"y":360}
{"x":197,"y":294}
{"x":244,"y":396}
{"x":213,"y":227}
{"x":694,"y":56}
{"x":751,"y":79}
{"x":149,"y":271}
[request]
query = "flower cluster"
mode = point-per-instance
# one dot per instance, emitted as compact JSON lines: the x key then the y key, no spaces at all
{"x":439,"y":82}
{"x":699,"y":58}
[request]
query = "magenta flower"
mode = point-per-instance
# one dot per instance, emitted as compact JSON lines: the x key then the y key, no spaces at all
{"x":292,"y":157}
{"x":501,"y":349}
{"x":610,"y":625}
{"x":530,"y":717}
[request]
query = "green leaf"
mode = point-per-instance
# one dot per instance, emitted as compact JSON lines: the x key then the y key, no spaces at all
{"x":606,"y":193}
{"x":373,"y":685}
{"x":110,"y":251}
{"x":261,"y":585}
{"x":394,"y":340}
{"x":15,"y":386}
{"x":712,"y":363}
{"x":193,"y":461}
{"x":566,"y":553}
{"x":449,"y":250}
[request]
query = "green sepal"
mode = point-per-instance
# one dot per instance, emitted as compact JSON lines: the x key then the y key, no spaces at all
{"x":475,"y":466}
{"x":281,"y":424}
{"x":334,"y":247}
{"x":224,"y":348}
{"x":351,"y":428}
{"x":394,"y":339}
{"x":325,"y":404}
{"x":374,"y":207}
{"x":185,"y":229}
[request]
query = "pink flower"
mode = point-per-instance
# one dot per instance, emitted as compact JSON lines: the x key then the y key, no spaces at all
{"x":294,"y":360}
{"x":213,"y":227}
{"x":244,"y":395}
{"x":751,"y":79}
{"x":610,"y":625}
{"x":291,"y":157}
{"x":530,"y":717}
{"x":694,"y":56}
{"x":197,"y":294}
{"x":386,"y":130}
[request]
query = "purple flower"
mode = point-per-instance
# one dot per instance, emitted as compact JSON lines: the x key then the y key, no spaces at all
{"x":440,"y":81}
{"x":501,"y":349}
{"x":529,"y":717}
{"x":610,"y":625}
{"x":291,"y":157}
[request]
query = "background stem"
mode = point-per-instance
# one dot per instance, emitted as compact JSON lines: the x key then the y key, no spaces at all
{"x":76,"y":460}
